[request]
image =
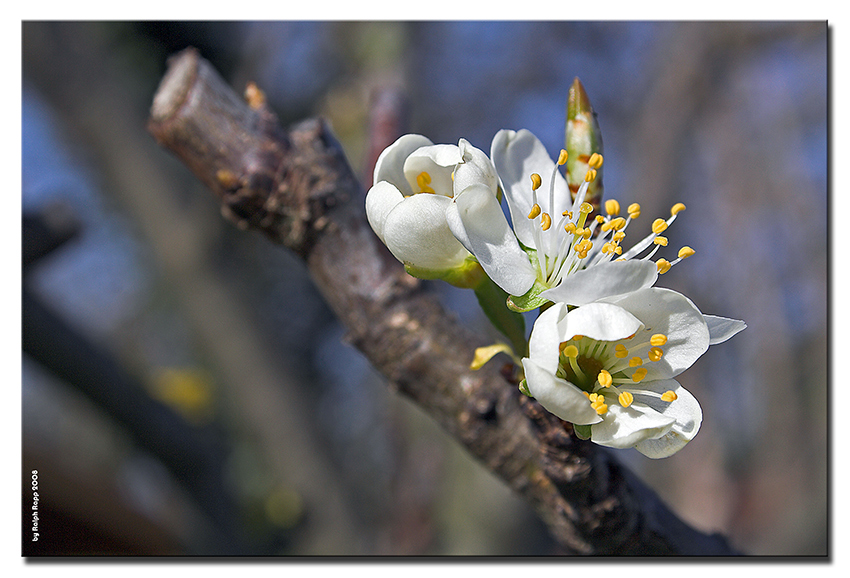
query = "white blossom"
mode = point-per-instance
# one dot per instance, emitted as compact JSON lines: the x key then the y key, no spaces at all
{"x":610,"y":365}
{"x":414,"y":183}
{"x":552,"y":253}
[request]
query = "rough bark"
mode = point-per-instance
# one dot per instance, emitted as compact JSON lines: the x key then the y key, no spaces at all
{"x":296,"y":187}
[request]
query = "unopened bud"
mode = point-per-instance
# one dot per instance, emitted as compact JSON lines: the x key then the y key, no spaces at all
{"x":583,"y":143}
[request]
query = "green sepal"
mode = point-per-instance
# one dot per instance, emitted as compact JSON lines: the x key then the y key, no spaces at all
{"x":523,"y":388}
{"x":468,"y":275}
{"x":582,"y":431}
{"x":529,"y":301}
{"x":493,"y":301}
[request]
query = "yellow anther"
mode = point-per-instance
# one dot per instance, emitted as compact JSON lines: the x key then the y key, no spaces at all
{"x":604,"y":378}
{"x":600,"y":219}
{"x":618,"y":236}
{"x":634,"y":210}
{"x":586,"y":233}
{"x":547,"y":221}
{"x":578,"y":337}
{"x":639,"y":374}
{"x":612,"y":207}
{"x":593,"y":397}
{"x":423,"y":179}
{"x":620,"y":351}
{"x":659,"y":226}
{"x":562,"y":158}
{"x":618,"y":223}
{"x":601,"y":408}
{"x":663,"y":266}
{"x":570,"y":351}
{"x":570,"y":228}
{"x":607,"y":248}
{"x":659,"y":240}
{"x":567,"y":214}
{"x":658,"y":339}
{"x":669,"y":396}
{"x":591,"y":174}
{"x":635,"y":362}
{"x":535,"y":210}
{"x":626,"y":399}
{"x":677,"y":208}
{"x":655,"y":353}
{"x":685,"y":252}
{"x":587,"y":395}
{"x":618,"y":250}
{"x":586,"y":208}
{"x":536,"y":181}
{"x":595,"y":161}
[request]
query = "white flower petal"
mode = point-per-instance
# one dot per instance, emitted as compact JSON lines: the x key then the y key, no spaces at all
{"x":558,"y":396}
{"x":516,"y":155}
{"x":603,"y":281}
{"x":416,"y":232}
{"x":438,"y":161}
{"x":380,"y":200}
{"x":390,"y":164}
{"x":685,"y":410}
{"x":600,"y":321}
{"x":476,"y":219}
{"x":623,"y":427}
{"x":722,"y":328}
{"x":674,"y":315}
{"x":546,"y":337}
{"x":475,"y":168}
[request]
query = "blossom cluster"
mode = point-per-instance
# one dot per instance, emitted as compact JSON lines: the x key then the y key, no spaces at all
{"x":607,"y":344}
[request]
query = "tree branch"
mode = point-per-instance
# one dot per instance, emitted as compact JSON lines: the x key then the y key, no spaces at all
{"x":296,"y":187}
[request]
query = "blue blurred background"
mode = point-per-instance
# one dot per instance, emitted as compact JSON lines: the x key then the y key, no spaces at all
{"x":223,"y":333}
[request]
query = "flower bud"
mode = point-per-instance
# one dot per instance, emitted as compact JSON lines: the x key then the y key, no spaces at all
{"x":582,"y":139}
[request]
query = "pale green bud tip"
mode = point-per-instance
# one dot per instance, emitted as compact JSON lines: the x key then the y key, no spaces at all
{"x":578,"y":103}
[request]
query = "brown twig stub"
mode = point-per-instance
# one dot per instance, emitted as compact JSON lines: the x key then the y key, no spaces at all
{"x":296,"y":187}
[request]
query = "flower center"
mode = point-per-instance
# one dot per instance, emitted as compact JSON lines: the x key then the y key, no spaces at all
{"x":608,"y":371}
{"x":574,"y":243}
{"x":560,"y":247}
{"x":423,"y":179}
